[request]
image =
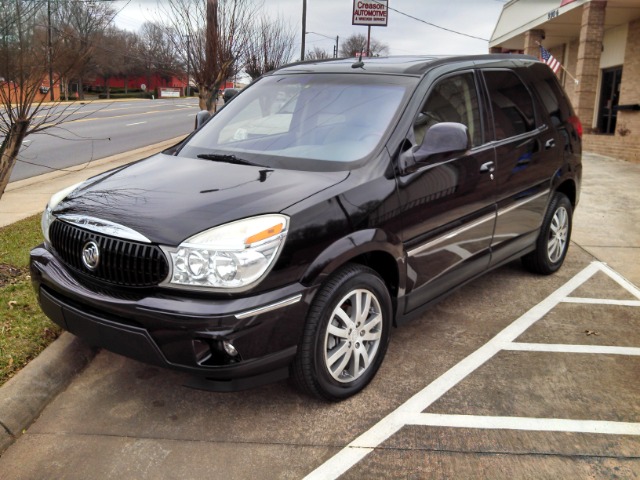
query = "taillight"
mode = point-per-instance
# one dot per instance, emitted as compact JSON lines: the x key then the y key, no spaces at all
{"x":575,"y":121}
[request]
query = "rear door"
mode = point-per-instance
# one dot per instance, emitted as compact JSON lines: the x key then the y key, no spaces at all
{"x":448,"y":202}
{"x":528,"y":153}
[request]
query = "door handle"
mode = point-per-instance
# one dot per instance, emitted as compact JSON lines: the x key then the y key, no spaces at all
{"x":487,"y":167}
{"x":550,"y":144}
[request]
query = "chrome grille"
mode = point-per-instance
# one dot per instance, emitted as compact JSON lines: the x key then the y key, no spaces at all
{"x":122,"y":262}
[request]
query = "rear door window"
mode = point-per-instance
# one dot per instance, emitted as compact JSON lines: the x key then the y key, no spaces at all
{"x":511,"y":103}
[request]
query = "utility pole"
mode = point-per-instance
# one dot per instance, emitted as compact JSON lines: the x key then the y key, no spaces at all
{"x":304,"y":28}
{"x":188,"y":65}
{"x":49,"y":50}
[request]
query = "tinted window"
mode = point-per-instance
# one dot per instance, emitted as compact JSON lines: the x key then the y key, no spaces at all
{"x":453,"y":99}
{"x":511,"y":103}
{"x":553,"y":98}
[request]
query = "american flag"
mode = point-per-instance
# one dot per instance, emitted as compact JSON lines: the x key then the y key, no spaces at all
{"x":549,"y":59}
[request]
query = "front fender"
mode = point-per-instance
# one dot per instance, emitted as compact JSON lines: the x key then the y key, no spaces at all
{"x":351,"y":246}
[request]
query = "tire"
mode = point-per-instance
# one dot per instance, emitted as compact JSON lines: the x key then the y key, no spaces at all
{"x":553,"y":241}
{"x":341,"y":350}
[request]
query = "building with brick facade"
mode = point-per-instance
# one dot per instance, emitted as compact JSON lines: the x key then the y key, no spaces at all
{"x":598,"y":45}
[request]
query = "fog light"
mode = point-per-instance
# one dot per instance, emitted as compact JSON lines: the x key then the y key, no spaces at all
{"x":230,"y":349}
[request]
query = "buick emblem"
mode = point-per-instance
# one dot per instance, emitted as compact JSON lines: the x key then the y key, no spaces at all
{"x":91,"y":255}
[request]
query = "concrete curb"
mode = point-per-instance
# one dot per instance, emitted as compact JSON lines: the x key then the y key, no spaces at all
{"x":23,"y":397}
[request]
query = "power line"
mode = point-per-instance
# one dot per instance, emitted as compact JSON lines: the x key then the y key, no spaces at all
{"x":431,"y":24}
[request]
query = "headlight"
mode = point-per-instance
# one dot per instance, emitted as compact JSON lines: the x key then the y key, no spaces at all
{"x":47,"y":215}
{"x":232,"y":256}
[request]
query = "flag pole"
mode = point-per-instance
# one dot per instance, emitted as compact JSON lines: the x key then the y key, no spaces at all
{"x":576,"y":81}
{"x":572,"y":77}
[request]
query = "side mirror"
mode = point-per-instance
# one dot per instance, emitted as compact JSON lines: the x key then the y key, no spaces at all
{"x":442,"y":138}
{"x":201,"y":117}
{"x":228,"y":94}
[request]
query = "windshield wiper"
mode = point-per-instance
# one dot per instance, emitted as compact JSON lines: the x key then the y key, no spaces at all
{"x":227,"y":158}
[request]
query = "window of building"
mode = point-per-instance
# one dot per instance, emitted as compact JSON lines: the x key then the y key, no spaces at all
{"x":609,"y":98}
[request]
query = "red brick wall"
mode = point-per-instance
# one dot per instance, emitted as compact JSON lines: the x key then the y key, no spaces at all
{"x":630,"y":87}
{"x":625,"y":148}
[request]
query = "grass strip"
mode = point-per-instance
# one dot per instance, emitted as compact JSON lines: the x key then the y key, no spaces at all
{"x":24,"y":330}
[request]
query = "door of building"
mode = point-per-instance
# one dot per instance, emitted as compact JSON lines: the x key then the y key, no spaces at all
{"x":609,"y":97}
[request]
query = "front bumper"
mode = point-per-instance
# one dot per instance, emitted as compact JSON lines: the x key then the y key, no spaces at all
{"x":179,"y":331}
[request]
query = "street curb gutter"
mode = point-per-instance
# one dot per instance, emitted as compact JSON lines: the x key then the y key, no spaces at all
{"x":23,"y":397}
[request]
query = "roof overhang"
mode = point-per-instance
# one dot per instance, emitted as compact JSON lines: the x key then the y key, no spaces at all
{"x":561,"y":21}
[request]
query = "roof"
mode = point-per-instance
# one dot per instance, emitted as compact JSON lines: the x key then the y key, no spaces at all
{"x":403,"y":65}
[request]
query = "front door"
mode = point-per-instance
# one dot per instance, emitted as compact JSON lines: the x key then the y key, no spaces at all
{"x":448,"y":203}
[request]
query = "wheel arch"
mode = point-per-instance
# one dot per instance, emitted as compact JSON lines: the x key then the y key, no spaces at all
{"x":569,"y":189}
{"x":373,"y":248}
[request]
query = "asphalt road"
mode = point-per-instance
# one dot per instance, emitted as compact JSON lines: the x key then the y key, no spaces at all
{"x":97,"y":130}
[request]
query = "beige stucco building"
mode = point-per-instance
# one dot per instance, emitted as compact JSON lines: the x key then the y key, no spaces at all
{"x":598,"y":44}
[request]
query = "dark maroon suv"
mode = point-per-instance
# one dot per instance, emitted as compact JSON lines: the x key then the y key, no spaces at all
{"x":327,"y":203}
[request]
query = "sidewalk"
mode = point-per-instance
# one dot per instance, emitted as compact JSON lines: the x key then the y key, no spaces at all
{"x":606,"y":225}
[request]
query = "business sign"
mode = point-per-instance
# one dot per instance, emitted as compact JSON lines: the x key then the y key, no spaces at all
{"x":370,"y":12}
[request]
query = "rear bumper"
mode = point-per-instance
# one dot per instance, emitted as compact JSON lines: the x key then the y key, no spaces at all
{"x":178,"y":331}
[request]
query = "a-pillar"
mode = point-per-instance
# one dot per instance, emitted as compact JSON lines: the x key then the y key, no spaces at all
{"x":532,"y":41}
{"x":588,"y":65}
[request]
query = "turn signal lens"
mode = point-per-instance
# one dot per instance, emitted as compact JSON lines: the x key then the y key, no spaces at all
{"x":263,"y":235}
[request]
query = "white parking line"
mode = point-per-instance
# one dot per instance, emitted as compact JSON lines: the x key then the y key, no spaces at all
{"x":551,"y":348}
{"x":525,"y":423}
{"x":603,"y":301}
{"x":411,"y":411}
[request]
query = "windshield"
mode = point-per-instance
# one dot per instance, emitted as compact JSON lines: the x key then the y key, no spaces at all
{"x":305,"y":120}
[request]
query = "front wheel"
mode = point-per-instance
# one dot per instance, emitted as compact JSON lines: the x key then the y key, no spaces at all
{"x":346,"y":335}
{"x":553,"y":241}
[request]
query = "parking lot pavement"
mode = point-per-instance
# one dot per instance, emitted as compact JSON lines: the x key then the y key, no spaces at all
{"x":512,"y":376}
{"x":551,"y":370}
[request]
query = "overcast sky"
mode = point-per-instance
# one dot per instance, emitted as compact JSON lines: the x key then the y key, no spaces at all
{"x":403,"y":35}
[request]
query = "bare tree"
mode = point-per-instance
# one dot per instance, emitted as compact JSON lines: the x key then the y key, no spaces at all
{"x":23,"y":85}
{"x":84,"y":24}
{"x":317,"y":54}
{"x":269,"y":47}
{"x":128,"y":53}
{"x":108,"y":63}
{"x":214,"y":34}
{"x":157,"y":51}
{"x":357,"y":44}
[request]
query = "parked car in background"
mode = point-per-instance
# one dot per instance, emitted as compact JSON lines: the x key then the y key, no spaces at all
{"x":328,"y":203}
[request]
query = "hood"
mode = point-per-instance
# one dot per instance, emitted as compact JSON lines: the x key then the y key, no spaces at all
{"x":168,"y":199}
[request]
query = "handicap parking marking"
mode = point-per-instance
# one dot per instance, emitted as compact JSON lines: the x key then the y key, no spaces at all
{"x":410,"y":412}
